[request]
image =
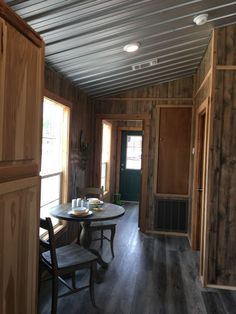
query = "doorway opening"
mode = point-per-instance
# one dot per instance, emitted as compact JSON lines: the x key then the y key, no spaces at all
{"x":124,"y":123}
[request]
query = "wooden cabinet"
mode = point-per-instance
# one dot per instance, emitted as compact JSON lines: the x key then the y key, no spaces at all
{"x":21,"y":85}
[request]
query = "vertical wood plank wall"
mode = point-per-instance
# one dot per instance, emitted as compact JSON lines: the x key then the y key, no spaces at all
{"x":222,"y":194}
{"x":147,"y":100}
{"x":220,"y":86}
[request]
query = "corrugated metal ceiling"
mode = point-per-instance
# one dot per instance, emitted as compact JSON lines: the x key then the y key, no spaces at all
{"x":85,"y":39}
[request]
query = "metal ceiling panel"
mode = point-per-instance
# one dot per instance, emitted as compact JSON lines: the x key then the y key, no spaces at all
{"x":85,"y":39}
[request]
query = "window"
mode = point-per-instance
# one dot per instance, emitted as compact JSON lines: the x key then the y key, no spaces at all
{"x":54,"y":164}
{"x":106,"y":151}
{"x":133,"y":152}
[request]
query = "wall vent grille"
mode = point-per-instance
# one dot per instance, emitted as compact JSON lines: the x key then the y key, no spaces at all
{"x":145,"y":64}
{"x":171,"y":215}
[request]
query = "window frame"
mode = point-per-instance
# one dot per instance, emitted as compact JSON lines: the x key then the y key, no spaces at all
{"x":61,"y":226}
{"x":108,"y":163}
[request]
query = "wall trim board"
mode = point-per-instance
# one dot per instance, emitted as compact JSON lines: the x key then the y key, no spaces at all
{"x":123,"y":116}
{"x":176,"y":234}
{"x":204,"y":81}
{"x":156,"y":156}
{"x":145,"y":117}
{"x":174,"y":106}
{"x":209,"y":157}
{"x":226,"y":67}
{"x":57,"y":98}
{"x":171,"y":196}
{"x":221,"y":287}
{"x":146,"y":98}
{"x":201,"y":109}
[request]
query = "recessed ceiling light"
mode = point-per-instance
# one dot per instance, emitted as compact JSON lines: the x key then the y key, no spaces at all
{"x":131,"y":47}
{"x":200,"y":19}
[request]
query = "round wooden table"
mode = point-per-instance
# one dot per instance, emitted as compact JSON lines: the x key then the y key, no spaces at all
{"x":109,"y":211}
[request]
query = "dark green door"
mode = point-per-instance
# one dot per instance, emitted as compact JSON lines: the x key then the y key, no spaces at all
{"x":130,"y":168}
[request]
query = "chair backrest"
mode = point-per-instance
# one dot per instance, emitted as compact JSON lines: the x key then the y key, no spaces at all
{"x":90,"y":192}
{"x":48,"y":244}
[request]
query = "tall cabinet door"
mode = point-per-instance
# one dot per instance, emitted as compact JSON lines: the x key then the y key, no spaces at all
{"x":21,"y":83}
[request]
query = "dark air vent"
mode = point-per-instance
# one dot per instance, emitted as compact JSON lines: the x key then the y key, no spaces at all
{"x":171,"y":215}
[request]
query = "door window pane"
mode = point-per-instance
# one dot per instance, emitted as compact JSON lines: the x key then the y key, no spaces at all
{"x":133,"y":152}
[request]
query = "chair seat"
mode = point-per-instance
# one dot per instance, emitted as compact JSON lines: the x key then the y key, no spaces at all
{"x":70,"y":255}
{"x":102,"y":225}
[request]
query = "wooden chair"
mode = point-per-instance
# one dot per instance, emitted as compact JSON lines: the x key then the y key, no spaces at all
{"x":63,"y":261}
{"x":99,"y":226}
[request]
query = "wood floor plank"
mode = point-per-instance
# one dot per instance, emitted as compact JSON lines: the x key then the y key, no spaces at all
{"x":149,"y":275}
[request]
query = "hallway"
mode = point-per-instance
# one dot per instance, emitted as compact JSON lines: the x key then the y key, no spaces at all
{"x":149,"y":275}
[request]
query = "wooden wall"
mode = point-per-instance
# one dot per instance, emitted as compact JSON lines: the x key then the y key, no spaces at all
{"x":148,"y":100}
{"x":222,"y":182}
{"x":216,"y":80}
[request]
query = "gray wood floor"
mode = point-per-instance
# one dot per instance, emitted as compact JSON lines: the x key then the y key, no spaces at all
{"x":149,"y":275}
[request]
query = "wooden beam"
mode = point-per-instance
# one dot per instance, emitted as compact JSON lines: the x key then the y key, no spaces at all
{"x":175,"y":234}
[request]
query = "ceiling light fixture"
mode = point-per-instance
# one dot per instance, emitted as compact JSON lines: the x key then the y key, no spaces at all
{"x":200,"y":19}
{"x":132,"y":47}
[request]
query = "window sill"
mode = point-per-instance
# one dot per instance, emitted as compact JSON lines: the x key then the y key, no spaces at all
{"x":58,"y":231}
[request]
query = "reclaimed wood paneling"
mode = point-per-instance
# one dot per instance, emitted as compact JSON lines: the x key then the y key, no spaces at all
{"x":174,"y":151}
{"x":222,"y":212}
{"x":226,"y":46}
{"x":219,"y":269}
{"x":131,"y":103}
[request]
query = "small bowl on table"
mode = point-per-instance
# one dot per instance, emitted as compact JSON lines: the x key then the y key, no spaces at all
{"x":94,"y":203}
